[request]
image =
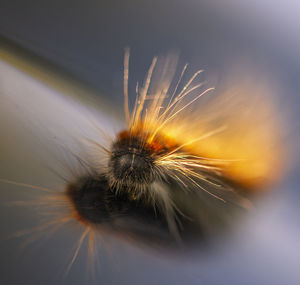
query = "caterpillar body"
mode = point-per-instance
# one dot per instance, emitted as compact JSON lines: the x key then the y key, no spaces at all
{"x":184,"y":162}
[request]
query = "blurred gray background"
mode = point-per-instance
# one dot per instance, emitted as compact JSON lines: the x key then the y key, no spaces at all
{"x":87,"y":39}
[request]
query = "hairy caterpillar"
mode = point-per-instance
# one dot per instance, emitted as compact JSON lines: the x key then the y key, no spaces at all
{"x":182,"y":165}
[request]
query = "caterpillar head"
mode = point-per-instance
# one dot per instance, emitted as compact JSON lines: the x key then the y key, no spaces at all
{"x":132,"y":162}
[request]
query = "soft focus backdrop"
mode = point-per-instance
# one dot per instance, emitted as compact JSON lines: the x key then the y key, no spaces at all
{"x":87,"y":39}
